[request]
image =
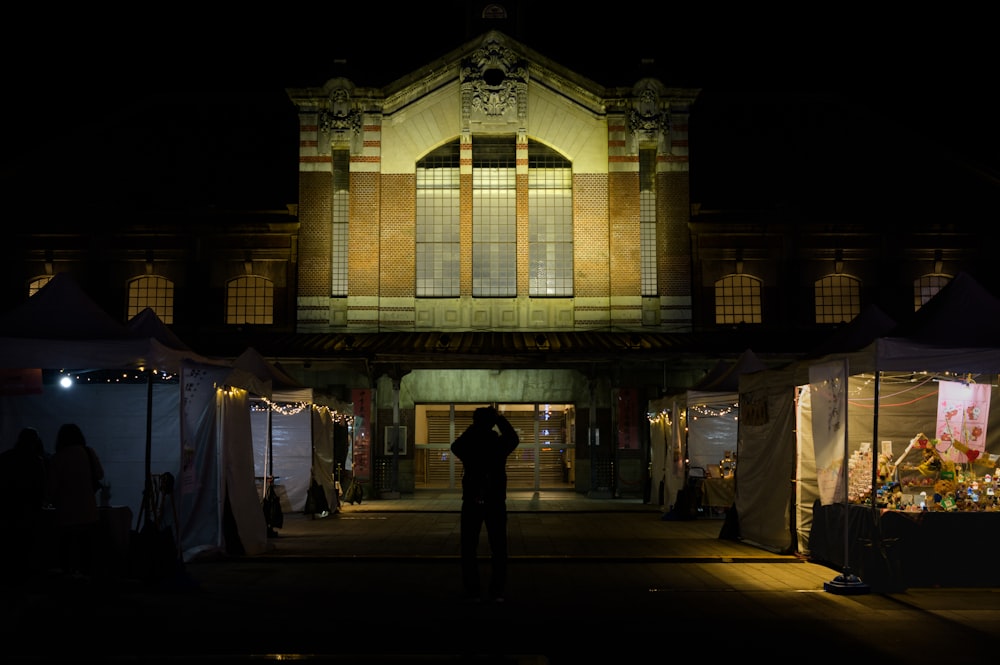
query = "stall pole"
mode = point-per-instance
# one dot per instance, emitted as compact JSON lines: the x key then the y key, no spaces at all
{"x":847,"y":583}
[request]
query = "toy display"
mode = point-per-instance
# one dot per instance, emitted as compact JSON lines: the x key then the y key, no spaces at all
{"x":922,"y":479}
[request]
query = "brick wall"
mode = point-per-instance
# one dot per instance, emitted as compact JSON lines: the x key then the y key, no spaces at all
{"x":315,"y":210}
{"x":363,"y":230}
{"x":397,"y":236}
{"x":590,"y":234}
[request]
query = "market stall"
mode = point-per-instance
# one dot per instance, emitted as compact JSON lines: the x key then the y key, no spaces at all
{"x":293,"y":432}
{"x":860,"y":424}
{"x":144,"y":401}
{"x":697,"y":429}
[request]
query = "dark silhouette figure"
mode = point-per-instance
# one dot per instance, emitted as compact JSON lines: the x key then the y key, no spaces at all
{"x":483,"y":449}
{"x":75,"y":473}
{"x":23,"y":473}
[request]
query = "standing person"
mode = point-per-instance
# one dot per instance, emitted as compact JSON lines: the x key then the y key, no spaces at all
{"x":75,"y":473}
{"x":483,"y":449}
{"x":23,"y":474}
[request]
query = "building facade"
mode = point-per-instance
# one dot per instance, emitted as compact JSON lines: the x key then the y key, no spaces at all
{"x":495,"y":228}
{"x":495,"y":192}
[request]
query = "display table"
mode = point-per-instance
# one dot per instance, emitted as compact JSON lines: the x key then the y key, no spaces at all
{"x":893,"y":550}
{"x":718,"y":492}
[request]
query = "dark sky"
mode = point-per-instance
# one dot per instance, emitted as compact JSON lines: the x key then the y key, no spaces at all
{"x":845,"y":98}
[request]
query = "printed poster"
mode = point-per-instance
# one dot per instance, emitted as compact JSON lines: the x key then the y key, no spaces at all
{"x":963,"y":411}
{"x":828,"y":394}
{"x":361,"y":464}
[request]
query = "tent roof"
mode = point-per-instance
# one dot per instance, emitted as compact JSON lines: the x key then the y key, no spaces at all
{"x":61,"y":327}
{"x":147,"y":324}
{"x":862,"y":330}
{"x":270,"y":380}
{"x":728,"y":379}
{"x":962,"y":314}
{"x":61,"y":310}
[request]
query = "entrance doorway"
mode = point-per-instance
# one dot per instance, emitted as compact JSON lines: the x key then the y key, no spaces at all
{"x":545,"y":458}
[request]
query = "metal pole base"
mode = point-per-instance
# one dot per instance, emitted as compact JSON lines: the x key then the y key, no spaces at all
{"x":846,"y":584}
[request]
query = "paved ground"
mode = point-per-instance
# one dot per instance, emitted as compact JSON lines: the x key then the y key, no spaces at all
{"x":590,"y":582}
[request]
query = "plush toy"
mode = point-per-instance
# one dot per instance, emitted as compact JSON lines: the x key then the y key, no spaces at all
{"x":931,"y":463}
{"x":945,"y":487}
{"x":885,"y":467}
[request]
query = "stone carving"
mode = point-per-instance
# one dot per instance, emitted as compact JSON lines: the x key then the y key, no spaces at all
{"x":493,"y":79}
{"x":341,"y":117}
{"x":646,"y":116}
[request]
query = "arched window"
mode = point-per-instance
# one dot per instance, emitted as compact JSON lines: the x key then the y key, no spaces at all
{"x":250,"y":300}
{"x":737,"y":300}
{"x":550,"y":222}
{"x":154,"y":292}
{"x":494,"y":217}
{"x":838,"y":299}
{"x":926,"y":287}
{"x":35,"y":285}
{"x":438,"y":223}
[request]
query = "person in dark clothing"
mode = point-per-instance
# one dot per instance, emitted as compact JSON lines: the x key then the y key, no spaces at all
{"x":483,"y":449}
{"x":23,"y":473}
{"x":75,"y":473}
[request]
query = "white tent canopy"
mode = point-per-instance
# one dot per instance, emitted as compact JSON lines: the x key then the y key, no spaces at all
{"x":293,"y":433}
{"x":199,"y":439}
{"x":699,"y":425}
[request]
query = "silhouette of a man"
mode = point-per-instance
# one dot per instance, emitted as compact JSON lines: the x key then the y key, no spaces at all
{"x":483,"y":449}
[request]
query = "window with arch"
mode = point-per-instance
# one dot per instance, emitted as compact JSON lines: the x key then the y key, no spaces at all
{"x":494,"y":216}
{"x":438,"y":223}
{"x":550,"y":222}
{"x":154,"y":292}
{"x":737,"y":299}
{"x":838,"y":299}
{"x":926,"y":287}
{"x":250,"y":300}
{"x":35,"y":285}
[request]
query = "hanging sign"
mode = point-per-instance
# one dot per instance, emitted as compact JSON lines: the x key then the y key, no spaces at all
{"x":963,"y":411}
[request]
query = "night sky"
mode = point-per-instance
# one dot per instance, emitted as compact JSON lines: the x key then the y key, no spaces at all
{"x":798,"y":109}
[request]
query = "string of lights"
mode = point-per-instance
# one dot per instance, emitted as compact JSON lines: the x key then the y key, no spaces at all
{"x":293,"y":408}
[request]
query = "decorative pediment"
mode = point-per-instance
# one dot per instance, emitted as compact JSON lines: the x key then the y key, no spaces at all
{"x":341,"y":116}
{"x":648,"y":115}
{"x":494,"y":80}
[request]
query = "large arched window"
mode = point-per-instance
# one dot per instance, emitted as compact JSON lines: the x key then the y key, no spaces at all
{"x":926,"y":287}
{"x":838,"y":299}
{"x":550,"y":222}
{"x":494,"y":217}
{"x":154,"y":292}
{"x":35,"y":285}
{"x":250,"y":300}
{"x":737,"y":300}
{"x":438,"y":223}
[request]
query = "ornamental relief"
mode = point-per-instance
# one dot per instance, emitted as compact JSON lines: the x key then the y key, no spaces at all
{"x":341,"y":116}
{"x":646,"y":116}
{"x":493,"y":79}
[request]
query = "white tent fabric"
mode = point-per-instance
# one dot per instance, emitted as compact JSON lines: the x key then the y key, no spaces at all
{"x":217,"y":466}
{"x":666,"y":434}
{"x":700,"y":424}
{"x":290,"y":457}
{"x":299,"y":425}
{"x":188,"y":424}
{"x":113,"y":420}
{"x":712,"y":419}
